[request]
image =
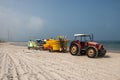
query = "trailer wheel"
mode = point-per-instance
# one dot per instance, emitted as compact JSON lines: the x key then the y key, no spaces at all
{"x":74,"y":49}
{"x":51,"y":50}
{"x":92,"y":52}
{"x":29,"y":48}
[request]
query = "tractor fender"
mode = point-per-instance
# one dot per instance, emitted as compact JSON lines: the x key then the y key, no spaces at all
{"x":76,"y":44}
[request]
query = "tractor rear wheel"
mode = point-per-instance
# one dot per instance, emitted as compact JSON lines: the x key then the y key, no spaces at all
{"x":92,"y":52}
{"x":74,"y":49}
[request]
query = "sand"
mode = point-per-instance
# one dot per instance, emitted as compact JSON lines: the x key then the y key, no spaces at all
{"x":19,"y":63}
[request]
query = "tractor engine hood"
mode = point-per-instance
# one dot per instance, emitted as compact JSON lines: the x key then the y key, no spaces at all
{"x":97,"y":45}
{"x":93,"y":43}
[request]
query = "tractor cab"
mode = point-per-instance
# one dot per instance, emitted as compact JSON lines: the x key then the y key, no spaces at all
{"x":83,"y":39}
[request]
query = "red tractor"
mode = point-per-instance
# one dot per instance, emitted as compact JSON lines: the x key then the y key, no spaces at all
{"x":86,"y":45}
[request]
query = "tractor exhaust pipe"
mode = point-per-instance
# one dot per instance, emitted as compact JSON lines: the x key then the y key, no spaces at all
{"x":92,"y":37}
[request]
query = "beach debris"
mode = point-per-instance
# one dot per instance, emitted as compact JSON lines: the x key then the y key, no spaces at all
{"x":37,"y":44}
{"x":87,"y":46}
{"x":40,"y":43}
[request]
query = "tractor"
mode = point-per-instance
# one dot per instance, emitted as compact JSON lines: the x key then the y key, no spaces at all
{"x":86,"y":45}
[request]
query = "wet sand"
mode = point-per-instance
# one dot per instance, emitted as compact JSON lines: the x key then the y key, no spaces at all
{"x":19,"y":63}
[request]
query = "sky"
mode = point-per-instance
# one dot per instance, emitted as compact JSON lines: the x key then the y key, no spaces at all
{"x":22,"y":20}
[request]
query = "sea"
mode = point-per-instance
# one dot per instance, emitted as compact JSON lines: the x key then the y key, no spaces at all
{"x":110,"y":46}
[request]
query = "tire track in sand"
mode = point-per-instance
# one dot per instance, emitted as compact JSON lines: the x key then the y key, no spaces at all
{"x":20,"y":67}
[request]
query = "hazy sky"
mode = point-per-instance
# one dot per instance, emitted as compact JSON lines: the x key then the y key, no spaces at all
{"x":30,"y":19}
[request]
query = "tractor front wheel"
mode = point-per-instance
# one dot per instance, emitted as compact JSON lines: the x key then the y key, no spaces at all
{"x":92,"y":52}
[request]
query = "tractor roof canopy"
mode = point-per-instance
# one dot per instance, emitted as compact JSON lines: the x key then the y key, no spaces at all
{"x":84,"y":37}
{"x":81,"y":35}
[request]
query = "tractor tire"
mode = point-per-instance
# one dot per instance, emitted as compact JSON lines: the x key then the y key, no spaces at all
{"x":74,"y":49}
{"x":92,"y":52}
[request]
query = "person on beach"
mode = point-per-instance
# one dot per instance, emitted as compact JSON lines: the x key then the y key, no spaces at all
{"x":61,"y":43}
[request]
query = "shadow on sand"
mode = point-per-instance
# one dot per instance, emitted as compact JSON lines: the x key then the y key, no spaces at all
{"x":106,"y":56}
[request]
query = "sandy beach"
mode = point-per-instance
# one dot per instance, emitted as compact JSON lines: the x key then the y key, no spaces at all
{"x":19,"y":63}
